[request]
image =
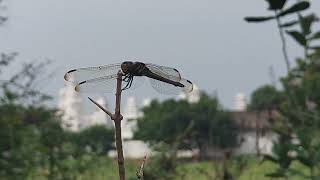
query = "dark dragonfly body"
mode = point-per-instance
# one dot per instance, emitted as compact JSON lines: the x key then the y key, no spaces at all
{"x":131,"y":69}
{"x":165,"y":80}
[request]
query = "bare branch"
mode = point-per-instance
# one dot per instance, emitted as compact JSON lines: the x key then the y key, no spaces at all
{"x":117,"y":117}
{"x":101,"y":107}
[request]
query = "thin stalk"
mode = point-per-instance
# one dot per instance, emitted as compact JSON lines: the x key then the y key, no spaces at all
{"x":284,"y":43}
{"x":301,"y":25}
{"x":117,"y":117}
{"x":286,"y":58}
{"x":139,"y":173}
{"x":119,"y":150}
{"x":117,"y":122}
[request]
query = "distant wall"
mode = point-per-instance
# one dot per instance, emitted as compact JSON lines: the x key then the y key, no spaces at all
{"x":248,"y":145}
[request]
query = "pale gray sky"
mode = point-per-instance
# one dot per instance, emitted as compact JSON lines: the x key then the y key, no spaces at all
{"x":207,"y":40}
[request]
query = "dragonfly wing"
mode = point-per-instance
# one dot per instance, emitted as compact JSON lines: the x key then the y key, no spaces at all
{"x":166,"y":88}
{"x":137,"y":82}
{"x":164,"y":71}
{"x":104,"y":84}
{"x":82,"y":74}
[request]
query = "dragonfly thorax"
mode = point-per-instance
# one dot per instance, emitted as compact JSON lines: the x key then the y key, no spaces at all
{"x":133,"y":68}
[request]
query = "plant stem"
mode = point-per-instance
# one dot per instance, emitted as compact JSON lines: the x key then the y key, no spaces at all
{"x":284,"y":44}
{"x":117,"y":117}
{"x":140,"y":171}
{"x":119,"y":150}
{"x":285,"y":55}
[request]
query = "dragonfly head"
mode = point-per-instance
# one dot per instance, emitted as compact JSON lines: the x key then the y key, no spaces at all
{"x":125,"y":66}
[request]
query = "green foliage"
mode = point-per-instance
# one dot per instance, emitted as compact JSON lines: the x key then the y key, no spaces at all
{"x":162,"y":165}
{"x":98,"y":138}
{"x":299,"y":6}
{"x":163,"y":122}
{"x":32,"y":142}
{"x":277,"y":6}
{"x":297,"y":36}
{"x":259,"y":18}
{"x":266,"y":97}
{"x":299,"y":123}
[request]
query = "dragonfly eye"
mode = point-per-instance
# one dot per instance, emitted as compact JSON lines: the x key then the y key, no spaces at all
{"x":125,"y":66}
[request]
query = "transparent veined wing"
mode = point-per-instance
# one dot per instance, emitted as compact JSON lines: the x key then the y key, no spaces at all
{"x":164,"y":71}
{"x":169,"y":89}
{"x":137,"y":82}
{"x":106,"y":84}
{"x":101,"y":84}
{"x":82,"y":74}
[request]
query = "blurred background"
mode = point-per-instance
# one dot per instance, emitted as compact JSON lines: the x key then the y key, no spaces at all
{"x":253,"y":113}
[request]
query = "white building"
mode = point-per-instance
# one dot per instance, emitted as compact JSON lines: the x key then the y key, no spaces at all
{"x":255,"y":133}
{"x":71,"y":107}
{"x":73,"y":114}
{"x":255,"y":129}
{"x":240,"y":103}
{"x":97,"y":117}
{"x":133,"y":148}
{"x":130,"y":115}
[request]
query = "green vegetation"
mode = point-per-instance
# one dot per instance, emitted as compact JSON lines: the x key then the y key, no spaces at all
{"x":105,"y":168}
{"x":32,"y":142}
{"x":163,"y":122}
{"x":34,"y":146}
{"x":298,"y":125}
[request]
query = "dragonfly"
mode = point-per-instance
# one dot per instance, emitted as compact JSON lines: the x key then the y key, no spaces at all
{"x":165,"y":80}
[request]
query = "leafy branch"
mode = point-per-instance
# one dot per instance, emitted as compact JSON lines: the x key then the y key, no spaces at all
{"x":277,"y":6}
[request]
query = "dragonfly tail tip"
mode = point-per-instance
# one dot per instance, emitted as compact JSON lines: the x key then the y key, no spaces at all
{"x":66,"y":77}
{"x":77,"y":88}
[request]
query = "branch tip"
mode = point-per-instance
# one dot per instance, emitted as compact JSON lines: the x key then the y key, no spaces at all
{"x":101,"y":107}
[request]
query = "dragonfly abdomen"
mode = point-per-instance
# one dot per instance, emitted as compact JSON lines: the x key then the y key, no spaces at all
{"x":152,"y":75}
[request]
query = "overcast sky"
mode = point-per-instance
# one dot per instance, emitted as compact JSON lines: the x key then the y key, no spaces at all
{"x":207,"y":40}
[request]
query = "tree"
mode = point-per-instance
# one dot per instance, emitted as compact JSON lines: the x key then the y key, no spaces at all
{"x":266,"y":97}
{"x":299,"y":124}
{"x":98,"y":138}
{"x":163,"y":122}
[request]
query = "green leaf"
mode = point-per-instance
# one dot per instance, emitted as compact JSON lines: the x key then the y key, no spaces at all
{"x":300,"y":6}
{"x":316,"y":35}
{"x":306,"y":23}
{"x":298,"y":37}
{"x":258,"y":19}
{"x":276,"y":4}
{"x":289,"y":24}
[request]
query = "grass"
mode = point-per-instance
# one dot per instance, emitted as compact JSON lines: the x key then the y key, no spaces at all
{"x":105,"y":168}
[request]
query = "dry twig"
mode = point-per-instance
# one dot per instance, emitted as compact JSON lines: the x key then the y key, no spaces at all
{"x":117,"y":117}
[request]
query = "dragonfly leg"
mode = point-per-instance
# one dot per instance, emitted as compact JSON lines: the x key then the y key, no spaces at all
{"x":129,"y":81}
{"x":126,"y":78}
{"x":126,"y":87}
